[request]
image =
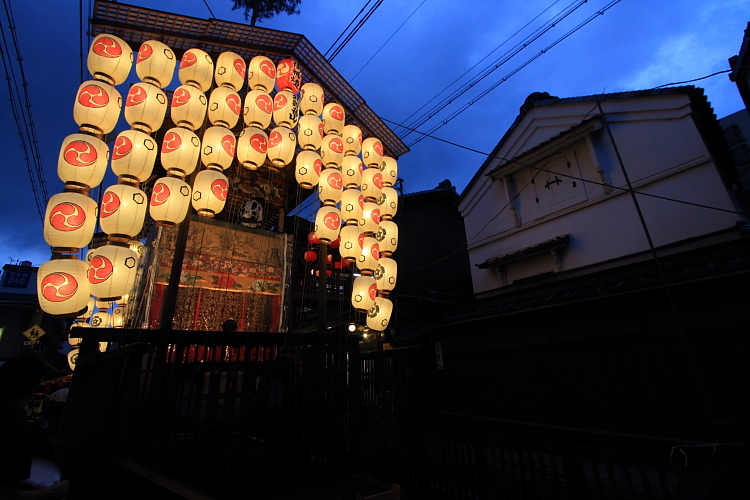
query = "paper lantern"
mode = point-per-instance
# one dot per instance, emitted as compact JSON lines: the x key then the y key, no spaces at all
{"x":85,"y":314}
{"x":101,"y":319}
{"x":69,"y":220}
{"x":155,"y":63}
{"x":312,"y":239}
{"x":123,"y":210}
{"x":285,"y":109}
{"x":333,"y":118}
{"x":310,"y":132}
{"x":137,"y":247}
{"x":351,"y":170}
{"x":288,"y":76}
{"x":352,"y":204}
{"x":252,"y":148}
{"x":73,"y":339}
{"x":281,"y":145}
{"x":73,"y":358}
{"x":370,"y":217}
{"x":145,"y":107}
{"x":330,"y":186}
{"x":311,"y":99}
{"x":379,"y":314}
{"x":385,"y":274}
{"x":180,"y":151}
{"x":219,"y":146}
{"x":82,"y":160}
{"x":327,"y":224}
{"x":364,"y":293}
{"x":170,"y":200}
{"x":389,"y":207}
{"x":258,"y":109}
{"x":62,"y":287}
{"x":372,"y":184}
{"x":367,"y":260}
{"x":230,"y":71}
{"x":97,"y":107}
{"x":118,"y":317}
{"x":196,"y":69}
{"x":332,"y":150}
{"x":133,"y":155}
{"x":372,"y":152}
{"x":210,"y":191}
{"x":349,"y":244}
{"x":352,"y":137}
{"x":112,"y":272}
{"x":307,"y":169}
{"x":390,"y":171}
{"x":189,"y":106}
{"x":310,"y":256}
{"x":387,"y":236}
{"x":261,"y":74}
{"x":224,"y":107}
{"x":109,"y":59}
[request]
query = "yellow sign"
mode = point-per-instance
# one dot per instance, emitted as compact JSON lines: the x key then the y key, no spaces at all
{"x":34,"y":333}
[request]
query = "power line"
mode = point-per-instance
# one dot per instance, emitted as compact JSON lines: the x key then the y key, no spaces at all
{"x":519,"y":68}
{"x":209,"y":9}
{"x":386,"y":42}
{"x":354,"y":31}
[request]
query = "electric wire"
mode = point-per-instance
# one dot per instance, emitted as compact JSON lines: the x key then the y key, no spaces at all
{"x":516,"y":70}
{"x":346,"y":29}
{"x":499,"y":62}
{"x":209,"y":9}
{"x":386,"y":42}
{"x":354,"y":31}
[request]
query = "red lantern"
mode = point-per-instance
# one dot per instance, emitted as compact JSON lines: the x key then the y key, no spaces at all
{"x":338,"y":264}
{"x":312,"y":239}
{"x":311,"y":256}
{"x":329,"y":258}
{"x":335,"y":243}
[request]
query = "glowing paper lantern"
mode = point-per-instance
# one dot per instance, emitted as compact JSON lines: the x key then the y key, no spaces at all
{"x":189,"y":106}
{"x":196,"y":69}
{"x":252,"y":148}
{"x":261,"y":74}
{"x":330,"y":186}
{"x":332,"y":150}
{"x":385,"y":275}
{"x":230,"y":70}
{"x":210,"y":191}
{"x":285,"y":109}
{"x":281,"y":145}
{"x":219,"y":146}
{"x":123,"y":210}
{"x":311,"y":99}
{"x":333,"y":118}
{"x":349,"y":245}
{"x":307,"y":169}
{"x":109,"y":59}
{"x":101,"y":319}
{"x":364,"y":293}
{"x":379,"y":314}
{"x":118,"y":317}
{"x":85,"y":314}
{"x":170,"y":201}
{"x":145,"y":107}
{"x":310,"y":132}
{"x":288,"y":76}
{"x":310,"y":256}
{"x":367,"y":260}
{"x":69,"y":220}
{"x":352,"y":203}
{"x":155,"y":63}
{"x":351,"y":170}
{"x":389,"y":207}
{"x":82,"y":160}
{"x":180,"y":151}
{"x":112,"y":272}
{"x":352,"y":137}
{"x":372,"y":152}
{"x":224,"y":107}
{"x":133,"y":155}
{"x":312,"y":239}
{"x":62,"y":287}
{"x":387,"y":236}
{"x":97,"y":107}
{"x":372,"y":183}
{"x":258,"y":109}
{"x":73,"y":358}
{"x":370,"y":219}
{"x":390,"y":171}
{"x":327,"y":224}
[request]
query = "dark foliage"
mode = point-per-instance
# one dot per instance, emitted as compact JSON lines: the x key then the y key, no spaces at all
{"x":258,"y":10}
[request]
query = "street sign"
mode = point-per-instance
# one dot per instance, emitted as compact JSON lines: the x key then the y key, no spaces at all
{"x":30,"y":342}
{"x":34,"y":333}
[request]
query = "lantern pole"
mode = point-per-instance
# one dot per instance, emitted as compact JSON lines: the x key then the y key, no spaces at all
{"x":321,"y":351}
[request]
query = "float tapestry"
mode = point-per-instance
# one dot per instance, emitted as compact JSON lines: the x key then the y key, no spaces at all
{"x":227,"y":273}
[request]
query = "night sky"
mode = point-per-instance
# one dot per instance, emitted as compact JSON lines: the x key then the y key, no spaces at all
{"x":636,"y":44}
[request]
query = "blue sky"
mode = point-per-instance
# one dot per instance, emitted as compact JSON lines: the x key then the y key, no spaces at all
{"x":636,"y":44}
